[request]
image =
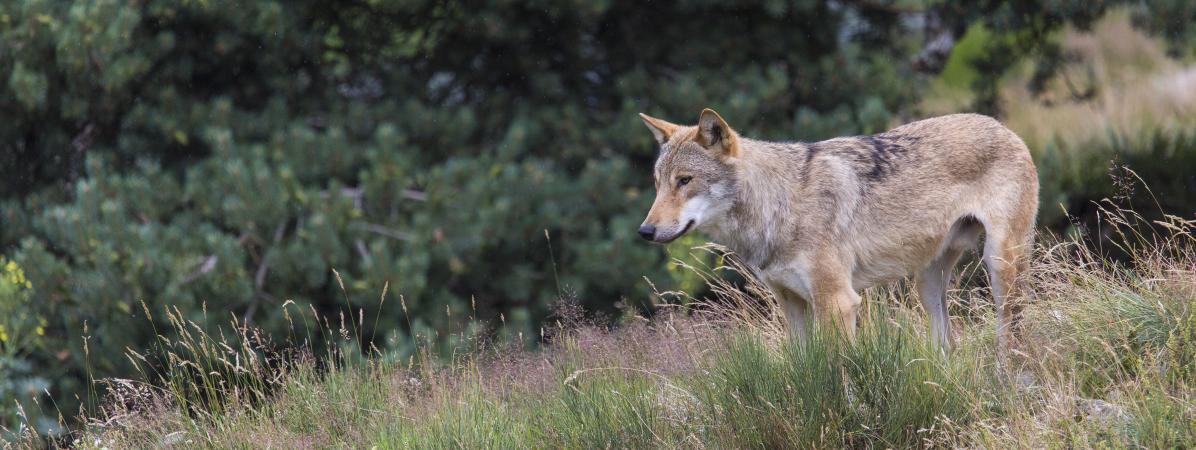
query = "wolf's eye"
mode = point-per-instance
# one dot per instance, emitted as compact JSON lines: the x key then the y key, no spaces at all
{"x":682,"y":181}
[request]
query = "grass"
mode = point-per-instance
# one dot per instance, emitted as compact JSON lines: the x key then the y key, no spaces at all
{"x":1104,"y":359}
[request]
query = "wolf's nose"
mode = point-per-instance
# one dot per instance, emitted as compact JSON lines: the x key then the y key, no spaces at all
{"x":647,"y":231}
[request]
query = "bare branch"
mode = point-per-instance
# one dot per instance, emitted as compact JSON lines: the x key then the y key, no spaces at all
{"x":382,"y":230}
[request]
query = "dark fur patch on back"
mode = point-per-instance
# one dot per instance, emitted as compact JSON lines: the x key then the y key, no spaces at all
{"x":811,"y":149}
{"x":884,"y":152}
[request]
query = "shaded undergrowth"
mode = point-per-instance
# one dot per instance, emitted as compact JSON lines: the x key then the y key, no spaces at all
{"x":1104,"y":358}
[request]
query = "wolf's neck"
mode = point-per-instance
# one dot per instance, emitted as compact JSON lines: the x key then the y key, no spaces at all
{"x":760,"y":216}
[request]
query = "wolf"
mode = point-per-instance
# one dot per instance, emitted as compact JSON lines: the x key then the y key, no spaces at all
{"x":820,"y":221}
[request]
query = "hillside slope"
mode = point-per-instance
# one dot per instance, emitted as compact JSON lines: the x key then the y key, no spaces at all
{"x":1105,"y":358}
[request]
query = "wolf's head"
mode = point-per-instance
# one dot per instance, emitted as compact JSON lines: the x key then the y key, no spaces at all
{"x":695,"y":182}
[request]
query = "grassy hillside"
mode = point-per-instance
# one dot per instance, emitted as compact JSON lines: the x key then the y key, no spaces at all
{"x":1105,"y":358}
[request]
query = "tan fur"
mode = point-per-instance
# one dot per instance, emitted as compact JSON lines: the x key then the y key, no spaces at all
{"x":821,"y":221}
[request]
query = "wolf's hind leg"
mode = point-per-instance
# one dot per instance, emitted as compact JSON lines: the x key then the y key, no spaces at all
{"x":932,"y":290}
{"x":1006,"y":254}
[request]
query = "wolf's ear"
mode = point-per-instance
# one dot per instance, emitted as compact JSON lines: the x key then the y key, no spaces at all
{"x":714,"y":133}
{"x":662,"y":130}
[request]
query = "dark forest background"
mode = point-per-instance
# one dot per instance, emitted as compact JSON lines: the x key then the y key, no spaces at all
{"x":482,"y":159}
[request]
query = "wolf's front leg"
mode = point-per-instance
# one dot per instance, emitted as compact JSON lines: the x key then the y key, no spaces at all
{"x":795,"y":309}
{"x":837,"y":304}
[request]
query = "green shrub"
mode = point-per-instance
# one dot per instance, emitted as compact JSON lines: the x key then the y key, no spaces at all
{"x":229,"y":155}
{"x":23,"y":386}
